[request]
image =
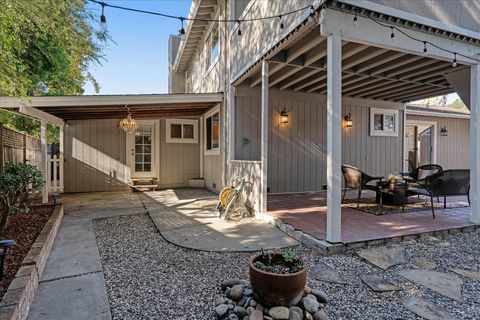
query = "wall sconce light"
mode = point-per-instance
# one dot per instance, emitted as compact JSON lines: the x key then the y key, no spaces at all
{"x":284,"y":117}
{"x":444,"y":131}
{"x":348,"y":120}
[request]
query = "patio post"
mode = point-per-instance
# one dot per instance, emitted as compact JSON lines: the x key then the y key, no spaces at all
{"x":334,"y":137}
{"x":44,"y":159}
{"x":61,"y":159}
{"x":264,"y":138}
{"x":474,"y":145}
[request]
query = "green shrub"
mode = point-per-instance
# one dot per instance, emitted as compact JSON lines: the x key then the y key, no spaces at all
{"x":17,"y":181}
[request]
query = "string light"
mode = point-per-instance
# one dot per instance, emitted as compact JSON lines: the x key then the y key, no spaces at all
{"x":281,"y":22}
{"x":454,"y":63}
{"x":355,"y":19}
{"x":181,"y":32}
{"x":425,"y":51}
{"x":103,"y":19}
{"x":392,"y":35}
{"x":239,"y":31}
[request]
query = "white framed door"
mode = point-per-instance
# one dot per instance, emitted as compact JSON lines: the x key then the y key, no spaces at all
{"x":141,"y":150}
{"x":420,"y":143}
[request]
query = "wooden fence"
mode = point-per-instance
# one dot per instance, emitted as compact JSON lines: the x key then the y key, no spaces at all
{"x":19,"y":147}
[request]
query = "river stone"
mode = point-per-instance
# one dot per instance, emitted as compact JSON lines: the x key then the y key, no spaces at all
{"x":295,"y":316}
{"x":310,"y":305}
{"x":221,"y":310}
{"x":384,"y":257}
{"x":220,"y":300}
{"x":424,"y":263}
{"x":320,"y":315}
{"x":322,"y":272}
{"x":446,"y":284}
{"x":426,"y":309}
{"x":230,"y":283}
{"x":256,"y":315}
{"x":376,"y":283}
{"x":296,"y":310}
{"x":467,"y":273}
{"x":248,"y":292}
{"x":279,"y":313}
{"x":320,"y":295}
{"x":232,"y":316}
{"x":237,"y":292}
{"x":240,"y":311}
{"x":308,"y":316}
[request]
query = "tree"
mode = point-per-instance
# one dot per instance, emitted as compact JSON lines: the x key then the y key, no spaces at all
{"x":46,"y":47}
{"x":17,"y":181}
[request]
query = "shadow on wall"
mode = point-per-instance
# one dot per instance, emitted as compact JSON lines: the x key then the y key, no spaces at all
{"x":95,"y":170}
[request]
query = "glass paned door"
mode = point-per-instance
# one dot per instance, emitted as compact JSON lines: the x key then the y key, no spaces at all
{"x":143,"y":151}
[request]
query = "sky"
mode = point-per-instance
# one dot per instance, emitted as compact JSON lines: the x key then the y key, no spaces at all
{"x":138,"y":60}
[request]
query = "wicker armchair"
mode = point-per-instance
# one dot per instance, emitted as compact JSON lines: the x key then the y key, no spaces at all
{"x":356,"y":179}
{"x":419,"y":175}
{"x":445,"y":184}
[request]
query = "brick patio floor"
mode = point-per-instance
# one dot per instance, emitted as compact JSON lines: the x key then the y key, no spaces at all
{"x":308,"y":212}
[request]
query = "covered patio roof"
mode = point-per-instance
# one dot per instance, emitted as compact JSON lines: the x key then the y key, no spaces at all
{"x":114,"y":106}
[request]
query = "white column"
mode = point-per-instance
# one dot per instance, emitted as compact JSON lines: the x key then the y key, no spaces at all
{"x":264,"y":138}
{"x":201,"y":141}
{"x":334,"y":137}
{"x":62,"y":159}
{"x":474,"y":145}
{"x":44,"y":160}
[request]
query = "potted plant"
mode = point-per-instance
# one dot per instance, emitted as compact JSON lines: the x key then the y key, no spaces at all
{"x":394,"y":178}
{"x":277,"y":279}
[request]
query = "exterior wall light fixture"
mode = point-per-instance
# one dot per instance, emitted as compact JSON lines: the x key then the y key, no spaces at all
{"x":444,"y":131}
{"x":348,"y":120}
{"x":284,"y":117}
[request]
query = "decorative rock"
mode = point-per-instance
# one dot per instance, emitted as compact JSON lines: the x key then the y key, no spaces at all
{"x":237,"y":292}
{"x":426,"y":309}
{"x":230,"y":283}
{"x":296,"y":310}
{"x":310,"y":304}
{"x":308,"y":316}
{"x":232,"y":316}
{"x":320,"y":295}
{"x":311,"y":296}
{"x":242,"y":301}
{"x":220,"y":300}
{"x":240,"y":311}
{"x":295,"y":316}
{"x":279,"y":313}
{"x":377,"y":284}
{"x":246,"y":318}
{"x":320,"y":315}
{"x":248,"y":292}
{"x":267,"y":317}
{"x":253,"y":303}
{"x":230,"y":306}
{"x":307,"y":290}
{"x":322,"y":272}
{"x":467,"y":273}
{"x":424,"y":263}
{"x":259,"y":307}
{"x":221,"y":310}
{"x":384,"y":257}
{"x":446,"y":284}
{"x":250,"y":310}
{"x":256,"y":315}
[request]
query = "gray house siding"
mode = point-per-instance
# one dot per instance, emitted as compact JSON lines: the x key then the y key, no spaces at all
{"x":297,"y":151}
{"x":452,"y":150}
{"x":94,"y":156}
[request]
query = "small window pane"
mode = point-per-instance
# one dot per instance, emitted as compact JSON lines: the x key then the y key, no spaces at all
{"x":138,"y":139}
{"x":378,"y":122}
{"x":147,"y":149}
{"x":389,"y":122}
{"x":138,"y":149}
{"x":176,"y":131}
{"x":138,"y":158}
{"x":215,"y":131}
{"x":146,"y":167}
{"x":138,"y":167}
{"x":209,"y":132}
{"x":147,"y":158}
{"x":188,"y":131}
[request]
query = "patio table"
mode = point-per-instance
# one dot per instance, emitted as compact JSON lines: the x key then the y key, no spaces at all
{"x":393,"y":193}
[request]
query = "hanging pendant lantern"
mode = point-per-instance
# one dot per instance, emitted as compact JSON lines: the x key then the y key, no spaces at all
{"x":129,"y":124}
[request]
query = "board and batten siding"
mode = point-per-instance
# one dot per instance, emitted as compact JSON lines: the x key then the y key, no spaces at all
{"x":452,"y":150}
{"x":95,"y":156}
{"x":179,"y":162}
{"x":297,"y":151}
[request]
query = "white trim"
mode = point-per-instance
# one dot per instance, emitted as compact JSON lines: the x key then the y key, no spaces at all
{"x":384,"y":133}
{"x":39,"y":114}
{"x":474,"y":145}
{"x":130,"y":151}
{"x":169,"y":139}
{"x":208,"y":114}
{"x":433,"y":124}
{"x":104,"y":100}
{"x":207,"y":45}
{"x":246,"y":161}
{"x":437,"y":114}
{"x":369,"y":5}
{"x":201,"y":145}
{"x":264,"y":121}
{"x":44,"y":160}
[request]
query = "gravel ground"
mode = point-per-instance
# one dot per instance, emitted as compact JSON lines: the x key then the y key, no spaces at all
{"x":149,"y":278}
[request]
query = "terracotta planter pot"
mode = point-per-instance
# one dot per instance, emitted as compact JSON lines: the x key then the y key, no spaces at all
{"x":277,"y":289}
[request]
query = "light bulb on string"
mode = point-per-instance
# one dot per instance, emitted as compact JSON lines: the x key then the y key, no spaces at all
{"x":281,"y":22}
{"x":454,"y":62}
{"x":355,"y":18}
{"x":425,"y":51}
{"x":181,"y":32}
{"x":392,"y":35}
{"x":239,"y":31}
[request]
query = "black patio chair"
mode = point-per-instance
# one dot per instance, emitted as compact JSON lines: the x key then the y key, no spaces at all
{"x":447,"y":183}
{"x":356,"y":179}
{"x":419,"y":175}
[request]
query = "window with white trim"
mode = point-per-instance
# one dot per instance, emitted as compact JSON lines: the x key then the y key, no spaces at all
{"x":182,"y":131}
{"x":212,"y":46}
{"x":384,"y":122}
{"x":212,"y":132}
